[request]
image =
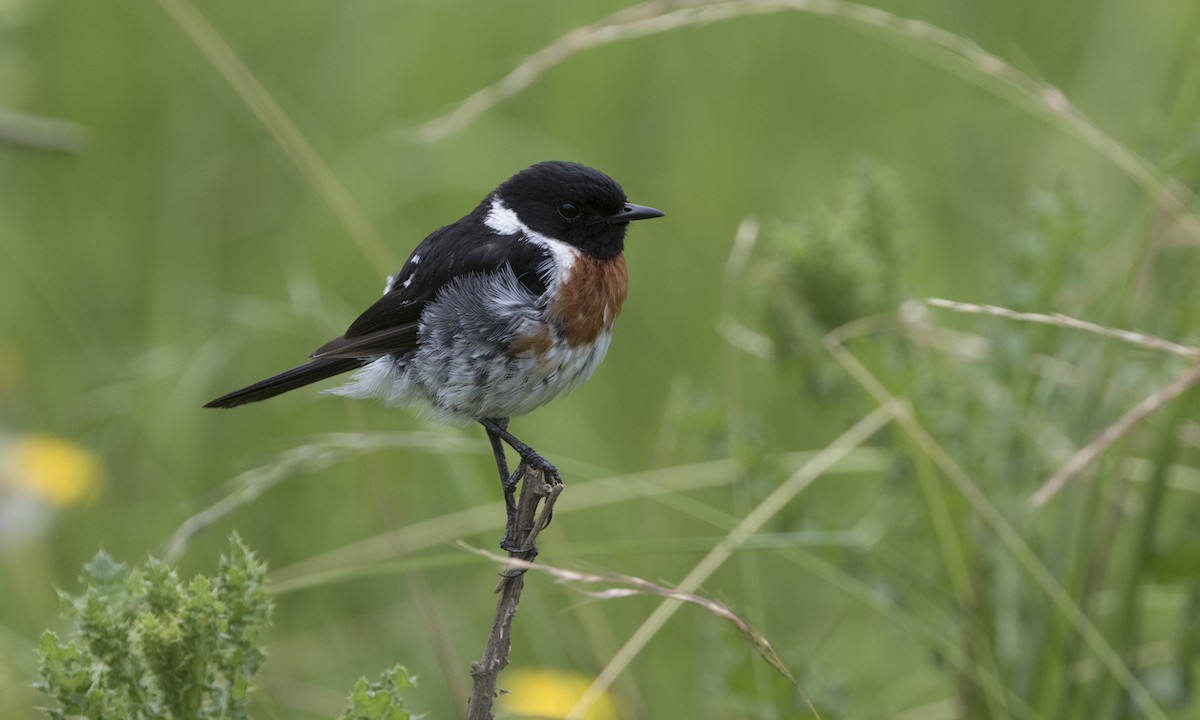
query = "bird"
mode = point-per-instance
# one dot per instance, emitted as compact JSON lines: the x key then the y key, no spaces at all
{"x":491,"y":316}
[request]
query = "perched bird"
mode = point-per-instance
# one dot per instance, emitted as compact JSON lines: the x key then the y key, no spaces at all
{"x":491,"y":316}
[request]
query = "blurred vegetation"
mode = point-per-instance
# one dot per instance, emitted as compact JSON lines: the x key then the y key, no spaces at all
{"x":146,"y":645}
{"x":170,"y":229}
{"x":380,"y":700}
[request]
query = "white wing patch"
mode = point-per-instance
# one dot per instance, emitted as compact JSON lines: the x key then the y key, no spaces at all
{"x":393,"y":280}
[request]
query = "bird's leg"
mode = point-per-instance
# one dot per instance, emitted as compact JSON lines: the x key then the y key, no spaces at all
{"x":528,"y":456}
{"x":497,"y":430}
{"x":507,"y":483}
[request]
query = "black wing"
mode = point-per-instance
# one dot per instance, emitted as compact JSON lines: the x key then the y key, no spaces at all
{"x":389,"y":327}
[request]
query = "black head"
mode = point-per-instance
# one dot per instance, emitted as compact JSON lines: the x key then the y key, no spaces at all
{"x":575,"y":204}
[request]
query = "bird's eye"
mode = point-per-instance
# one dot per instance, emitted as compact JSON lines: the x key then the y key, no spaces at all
{"x":569,"y":212}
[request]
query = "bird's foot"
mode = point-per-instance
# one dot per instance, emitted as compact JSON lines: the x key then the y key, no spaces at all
{"x":549,"y":474}
{"x":510,"y":546}
{"x":530,"y":458}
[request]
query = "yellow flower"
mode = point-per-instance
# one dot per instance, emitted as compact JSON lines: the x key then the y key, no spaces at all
{"x":56,"y":471}
{"x":550,"y":695}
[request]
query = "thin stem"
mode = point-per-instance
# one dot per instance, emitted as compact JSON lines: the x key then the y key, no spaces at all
{"x":285,"y":132}
{"x":738,"y":536}
{"x":530,"y":522}
{"x":1186,"y":379}
{"x":991,"y":516}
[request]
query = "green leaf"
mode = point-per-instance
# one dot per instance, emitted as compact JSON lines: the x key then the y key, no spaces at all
{"x":380,"y":700}
{"x":145,"y":645}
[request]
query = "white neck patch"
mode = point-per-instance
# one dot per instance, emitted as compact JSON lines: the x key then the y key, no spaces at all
{"x":503,"y":219}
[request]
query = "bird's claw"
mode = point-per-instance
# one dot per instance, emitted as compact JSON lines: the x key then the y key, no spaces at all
{"x":549,"y":472}
{"x":528,"y":554}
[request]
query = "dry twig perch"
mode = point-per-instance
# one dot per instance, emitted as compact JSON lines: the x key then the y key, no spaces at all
{"x":530,"y":522}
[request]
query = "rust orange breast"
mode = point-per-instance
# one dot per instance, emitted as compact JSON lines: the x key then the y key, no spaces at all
{"x":591,"y":298}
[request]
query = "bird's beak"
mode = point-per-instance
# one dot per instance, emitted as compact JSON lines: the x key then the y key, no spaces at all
{"x":634,"y":212}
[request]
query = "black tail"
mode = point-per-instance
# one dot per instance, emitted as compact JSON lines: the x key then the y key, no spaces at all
{"x":288,"y":380}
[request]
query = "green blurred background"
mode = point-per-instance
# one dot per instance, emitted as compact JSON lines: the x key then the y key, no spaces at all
{"x":177,"y":247}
